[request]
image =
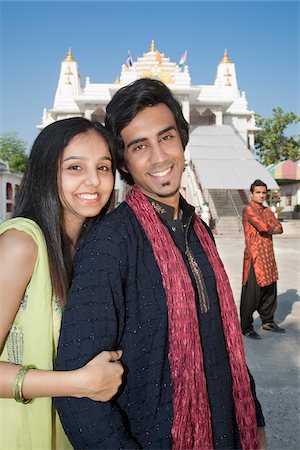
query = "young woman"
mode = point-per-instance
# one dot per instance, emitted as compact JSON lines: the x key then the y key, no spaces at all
{"x":67,"y":186}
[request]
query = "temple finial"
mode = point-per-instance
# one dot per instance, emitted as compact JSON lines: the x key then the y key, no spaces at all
{"x":225,"y":59}
{"x":152,"y":49}
{"x":70,"y":56}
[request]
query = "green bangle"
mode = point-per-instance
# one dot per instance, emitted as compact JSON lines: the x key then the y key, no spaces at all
{"x":17,"y":388}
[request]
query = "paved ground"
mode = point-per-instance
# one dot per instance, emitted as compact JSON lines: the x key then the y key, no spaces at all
{"x":274,"y":360}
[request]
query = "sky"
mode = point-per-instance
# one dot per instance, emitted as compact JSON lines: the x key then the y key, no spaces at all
{"x":262,"y":39}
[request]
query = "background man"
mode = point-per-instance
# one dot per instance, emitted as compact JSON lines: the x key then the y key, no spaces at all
{"x":148,"y":280}
{"x":259,"y":291}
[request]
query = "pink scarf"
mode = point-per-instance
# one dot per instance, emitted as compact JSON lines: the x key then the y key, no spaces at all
{"x":192,"y":418}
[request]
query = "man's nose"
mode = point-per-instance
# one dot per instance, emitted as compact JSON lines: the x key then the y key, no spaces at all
{"x":157,"y":153}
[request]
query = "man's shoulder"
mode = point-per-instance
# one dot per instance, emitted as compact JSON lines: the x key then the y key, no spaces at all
{"x":250,"y":208}
{"x":118,"y":217}
{"x":247,"y":207}
{"x":114,"y":226}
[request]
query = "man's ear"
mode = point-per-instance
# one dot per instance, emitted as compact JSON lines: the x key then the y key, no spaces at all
{"x":124,"y":168}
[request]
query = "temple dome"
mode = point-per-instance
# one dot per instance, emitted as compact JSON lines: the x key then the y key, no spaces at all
{"x":154,"y":64}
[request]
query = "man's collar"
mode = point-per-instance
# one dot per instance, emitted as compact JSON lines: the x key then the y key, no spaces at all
{"x":166,"y":212}
{"x":257,"y":205}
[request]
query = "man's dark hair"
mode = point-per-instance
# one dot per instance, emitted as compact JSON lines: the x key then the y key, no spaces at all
{"x":257,"y":183}
{"x":128,"y":102}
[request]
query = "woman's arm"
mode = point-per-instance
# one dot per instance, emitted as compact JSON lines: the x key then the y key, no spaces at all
{"x":98,"y":380}
{"x":18,"y":253}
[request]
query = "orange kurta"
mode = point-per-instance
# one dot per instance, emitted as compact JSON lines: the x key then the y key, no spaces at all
{"x":259,"y":224}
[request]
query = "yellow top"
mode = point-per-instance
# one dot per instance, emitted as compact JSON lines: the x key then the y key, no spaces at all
{"x":225,"y":59}
{"x":33,"y":340}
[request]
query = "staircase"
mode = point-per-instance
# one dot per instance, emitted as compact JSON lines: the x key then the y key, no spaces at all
{"x":226,"y":207}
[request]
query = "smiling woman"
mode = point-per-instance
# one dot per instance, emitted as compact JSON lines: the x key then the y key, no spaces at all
{"x":67,"y":186}
{"x":86,"y":180}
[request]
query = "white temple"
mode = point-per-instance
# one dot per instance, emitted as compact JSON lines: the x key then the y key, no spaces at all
{"x":9,"y":185}
{"x":220,"y":163}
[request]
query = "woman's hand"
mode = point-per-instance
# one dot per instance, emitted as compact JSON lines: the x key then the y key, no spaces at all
{"x":101,"y":378}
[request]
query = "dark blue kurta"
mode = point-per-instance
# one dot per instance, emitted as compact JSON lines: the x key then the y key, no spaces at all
{"x":117,"y":301}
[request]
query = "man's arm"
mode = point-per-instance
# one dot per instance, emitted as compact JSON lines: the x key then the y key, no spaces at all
{"x":93,"y":321}
{"x":263,"y":223}
{"x":277,"y":227}
{"x":262,"y":440}
{"x":259,"y":414}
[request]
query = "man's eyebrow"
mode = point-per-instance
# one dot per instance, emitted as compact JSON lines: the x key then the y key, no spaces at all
{"x":171,"y":127}
{"x":141,"y":139}
{"x":135,"y":141}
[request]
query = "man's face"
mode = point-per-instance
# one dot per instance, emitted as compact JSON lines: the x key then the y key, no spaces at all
{"x":259,"y":194}
{"x":154,"y":153}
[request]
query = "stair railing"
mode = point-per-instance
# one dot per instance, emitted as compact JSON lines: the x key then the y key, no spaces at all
{"x":238,"y":217}
{"x":215,"y":217}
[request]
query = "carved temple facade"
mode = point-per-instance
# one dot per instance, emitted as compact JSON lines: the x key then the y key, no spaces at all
{"x":219,"y":156}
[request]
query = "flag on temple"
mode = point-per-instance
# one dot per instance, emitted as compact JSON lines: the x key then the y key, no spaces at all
{"x":182,"y":60}
{"x":129,"y":60}
{"x":158,"y":57}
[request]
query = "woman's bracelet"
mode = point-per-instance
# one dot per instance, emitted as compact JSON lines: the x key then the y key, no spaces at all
{"x":18,"y":385}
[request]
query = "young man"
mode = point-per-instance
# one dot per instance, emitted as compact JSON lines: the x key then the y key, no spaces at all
{"x":259,"y":291}
{"x":148,"y":280}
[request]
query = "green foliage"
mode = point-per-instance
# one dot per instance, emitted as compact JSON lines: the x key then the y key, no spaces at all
{"x":12,"y":150}
{"x":272,"y":145}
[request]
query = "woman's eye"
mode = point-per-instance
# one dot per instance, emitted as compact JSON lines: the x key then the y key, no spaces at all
{"x":104,"y":168}
{"x":74,"y":167}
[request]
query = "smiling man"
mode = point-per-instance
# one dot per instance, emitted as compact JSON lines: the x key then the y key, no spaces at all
{"x":148,"y":280}
{"x":259,"y":291}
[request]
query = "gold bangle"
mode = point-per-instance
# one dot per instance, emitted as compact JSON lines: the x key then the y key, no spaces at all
{"x":18,"y":385}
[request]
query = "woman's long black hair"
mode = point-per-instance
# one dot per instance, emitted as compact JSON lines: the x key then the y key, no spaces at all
{"x":38,"y":196}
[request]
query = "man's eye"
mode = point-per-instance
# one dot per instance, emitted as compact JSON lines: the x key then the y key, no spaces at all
{"x":139,"y":147}
{"x":167,"y":137}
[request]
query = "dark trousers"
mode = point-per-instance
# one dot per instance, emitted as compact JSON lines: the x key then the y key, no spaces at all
{"x":256,"y":298}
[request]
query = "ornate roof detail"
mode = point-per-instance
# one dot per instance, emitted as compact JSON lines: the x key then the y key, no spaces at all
{"x":70,"y":56}
{"x":69,"y":85}
{"x":225,"y":59}
{"x":152,"y":48}
{"x":154,"y":64}
{"x":226,"y":77}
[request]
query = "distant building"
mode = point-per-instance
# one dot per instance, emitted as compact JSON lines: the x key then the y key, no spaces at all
{"x":9,"y":185}
{"x":287,"y":175}
{"x":220,"y":163}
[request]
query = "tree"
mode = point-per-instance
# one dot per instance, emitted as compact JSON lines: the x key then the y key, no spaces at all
{"x":272,"y":144}
{"x":12,"y":150}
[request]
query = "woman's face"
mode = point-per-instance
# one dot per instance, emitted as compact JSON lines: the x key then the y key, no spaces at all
{"x":86,"y":179}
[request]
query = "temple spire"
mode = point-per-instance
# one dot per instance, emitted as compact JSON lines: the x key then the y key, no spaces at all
{"x":69,"y":56}
{"x":69,"y":85}
{"x":152,"y":49}
{"x":226,"y":59}
{"x":226,"y":76}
